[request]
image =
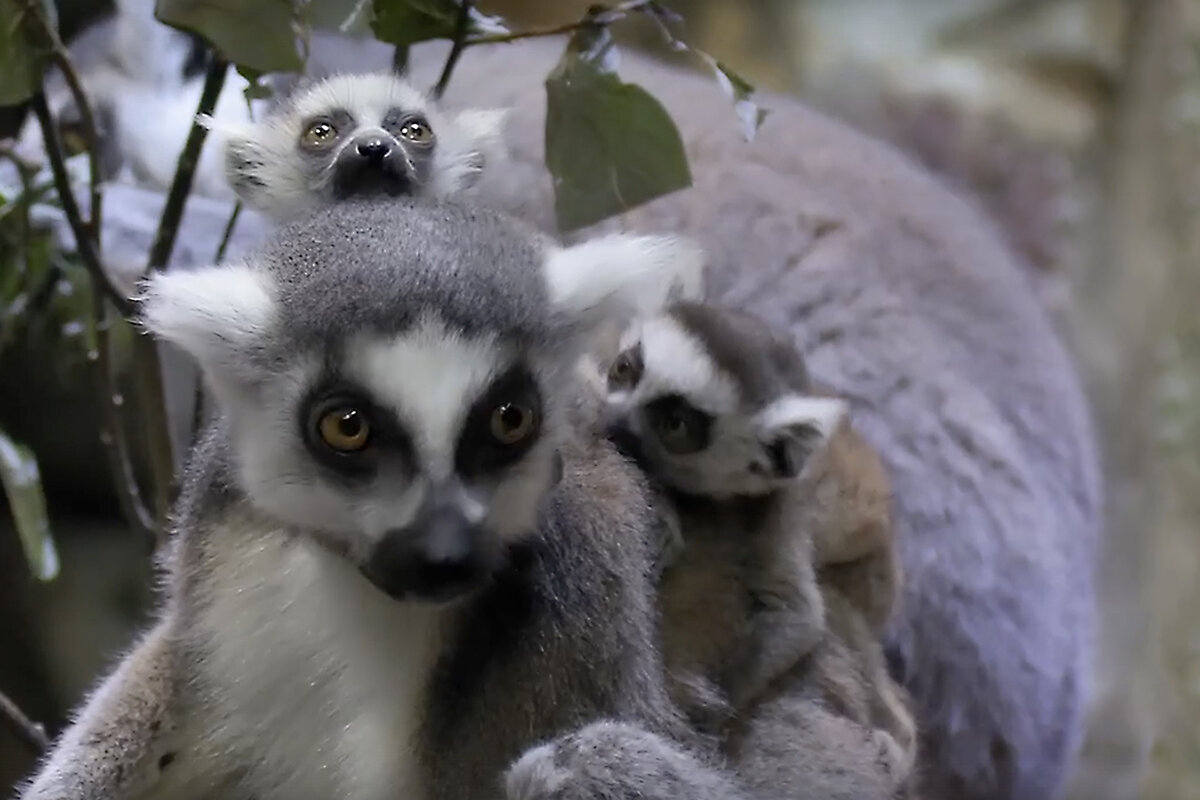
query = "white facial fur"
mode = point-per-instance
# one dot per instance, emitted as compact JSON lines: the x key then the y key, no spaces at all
{"x":736,"y":460}
{"x":266,"y":169}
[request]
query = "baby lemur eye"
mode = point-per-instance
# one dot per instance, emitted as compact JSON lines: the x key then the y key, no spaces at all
{"x":511,"y":423}
{"x":345,"y":429}
{"x":417,"y":131}
{"x":319,"y":134}
{"x":626,"y":371}
{"x":682,"y":428}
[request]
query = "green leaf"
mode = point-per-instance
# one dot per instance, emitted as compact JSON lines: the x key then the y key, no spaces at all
{"x":610,"y":146}
{"x":262,"y":35}
{"x":22,"y":59}
{"x":405,"y":22}
{"x":23,"y":487}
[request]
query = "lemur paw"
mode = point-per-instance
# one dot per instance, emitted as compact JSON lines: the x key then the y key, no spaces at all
{"x":610,"y":760}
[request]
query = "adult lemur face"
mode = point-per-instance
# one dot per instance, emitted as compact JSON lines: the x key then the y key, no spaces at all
{"x":391,"y":375}
{"x":356,"y":136}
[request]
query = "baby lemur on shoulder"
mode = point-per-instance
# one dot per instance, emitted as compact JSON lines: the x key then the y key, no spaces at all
{"x":774,"y":601}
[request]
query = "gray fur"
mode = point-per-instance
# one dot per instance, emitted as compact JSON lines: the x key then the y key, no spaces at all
{"x":797,"y":692}
{"x":907,"y":303}
{"x":276,"y":669}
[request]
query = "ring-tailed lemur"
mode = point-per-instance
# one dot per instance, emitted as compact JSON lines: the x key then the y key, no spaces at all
{"x":396,"y":560}
{"x":907,"y":303}
{"x":720,"y":410}
{"x":351,"y":136}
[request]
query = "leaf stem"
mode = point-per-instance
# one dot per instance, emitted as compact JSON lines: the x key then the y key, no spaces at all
{"x":461,"y":23}
{"x":28,"y":731}
{"x":181,"y":184}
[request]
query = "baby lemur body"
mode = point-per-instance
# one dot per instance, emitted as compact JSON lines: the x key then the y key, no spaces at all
{"x":773,"y":607}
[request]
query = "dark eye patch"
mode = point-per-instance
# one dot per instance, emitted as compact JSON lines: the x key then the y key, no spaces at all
{"x":342,"y":121}
{"x":478,"y":451}
{"x":626,"y":370}
{"x":681,"y":428}
{"x":389,"y":440}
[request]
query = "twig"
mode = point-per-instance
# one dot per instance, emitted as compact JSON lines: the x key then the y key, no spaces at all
{"x":85,"y":243}
{"x":590,"y":20}
{"x":181,"y":184}
{"x":227,"y":234}
{"x":28,"y":731}
{"x":112,"y":433}
{"x":62,"y":59}
{"x":461,"y":23}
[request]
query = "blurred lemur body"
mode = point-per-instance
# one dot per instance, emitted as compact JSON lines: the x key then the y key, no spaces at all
{"x":906,"y":303}
{"x":398,"y":560}
{"x":772,"y":611}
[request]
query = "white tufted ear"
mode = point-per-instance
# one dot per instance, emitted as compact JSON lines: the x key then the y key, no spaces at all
{"x":215,"y":314}
{"x":794,"y":427}
{"x":621,"y":276}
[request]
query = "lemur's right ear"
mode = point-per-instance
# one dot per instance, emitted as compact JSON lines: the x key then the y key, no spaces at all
{"x":794,"y":427}
{"x":216,"y":314}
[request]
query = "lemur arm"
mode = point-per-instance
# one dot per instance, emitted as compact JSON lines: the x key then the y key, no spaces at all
{"x":112,"y":749}
{"x":619,"y":761}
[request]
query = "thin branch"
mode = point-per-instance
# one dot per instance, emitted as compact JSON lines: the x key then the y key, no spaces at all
{"x":112,"y":433}
{"x":227,"y":234}
{"x":461,"y":24}
{"x":86,"y":243}
{"x":590,"y":20}
{"x":28,"y":731}
{"x":62,"y":59}
{"x":181,"y":184}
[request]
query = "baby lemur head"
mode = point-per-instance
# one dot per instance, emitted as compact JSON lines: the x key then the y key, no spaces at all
{"x":715,"y":403}
{"x":391,"y":374}
{"x":355,"y":136}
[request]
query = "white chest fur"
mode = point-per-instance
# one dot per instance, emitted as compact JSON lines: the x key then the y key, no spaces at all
{"x":318,"y":676}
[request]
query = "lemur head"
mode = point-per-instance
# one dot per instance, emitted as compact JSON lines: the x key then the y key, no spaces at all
{"x":397,"y":390}
{"x":355,"y":135}
{"x":715,"y":403}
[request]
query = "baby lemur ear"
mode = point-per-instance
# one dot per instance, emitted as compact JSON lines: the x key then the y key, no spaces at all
{"x":215,"y":314}
{"x":794,"y":427}
{"x":472,"y":143}
{"x":621,"y":276}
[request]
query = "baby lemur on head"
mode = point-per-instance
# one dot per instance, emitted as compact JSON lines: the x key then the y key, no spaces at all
{"x":355,"y":136}
{"x":773,"y":607}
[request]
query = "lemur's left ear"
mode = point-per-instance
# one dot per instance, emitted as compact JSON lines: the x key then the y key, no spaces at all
{"x":622,"y":276}
{"x":794,"y":427}
{"x":469,"y":143}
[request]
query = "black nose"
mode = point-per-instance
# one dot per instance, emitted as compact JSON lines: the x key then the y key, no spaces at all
{"x":373,"y":149}
{"x":439,"y":557}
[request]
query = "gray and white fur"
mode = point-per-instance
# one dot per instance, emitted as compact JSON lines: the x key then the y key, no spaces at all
{"x":351,"y":136}
{"x":718,"y":408}
{"x":905,"y":302}
{"x":396,"y":561}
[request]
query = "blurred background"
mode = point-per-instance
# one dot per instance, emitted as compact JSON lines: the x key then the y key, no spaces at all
{"x":1075,"y":123}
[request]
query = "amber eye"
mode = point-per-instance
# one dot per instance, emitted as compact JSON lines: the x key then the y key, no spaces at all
{"x":511,"y":423}
{"x":319,"y":134}
{"x":674,"y":431}
{"x":417,"y":131}
{"x":345,"y":429}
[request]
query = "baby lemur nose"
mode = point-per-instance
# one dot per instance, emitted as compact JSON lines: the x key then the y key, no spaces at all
{"x":373,"y":148}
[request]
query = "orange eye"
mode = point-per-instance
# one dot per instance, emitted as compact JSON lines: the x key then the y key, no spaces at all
{"x":512,"y":423}
{"x":346,"y":429}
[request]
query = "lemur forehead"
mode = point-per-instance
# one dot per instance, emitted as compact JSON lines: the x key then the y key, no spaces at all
{"x":380,"y":265}
{"x":676,"y":362}
{"x":367,"y":97}
{"x":762,"y":362}
{"x":429,"y":376}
